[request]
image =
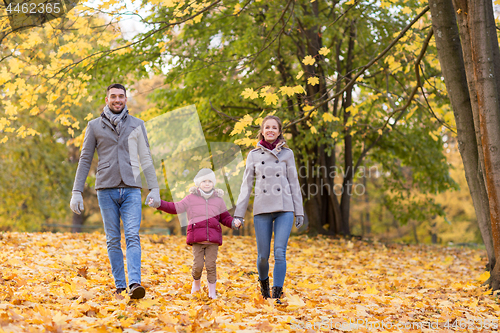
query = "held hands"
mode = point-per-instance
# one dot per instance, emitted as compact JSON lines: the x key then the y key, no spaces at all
{"x":76,"y":203}
{"x":236,"y":224}
{"x":153,"y":198}
{"x":299,"y":221}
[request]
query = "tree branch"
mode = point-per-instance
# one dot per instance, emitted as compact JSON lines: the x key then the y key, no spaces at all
{"x":403,"y":108}
{"x":364,"y":68}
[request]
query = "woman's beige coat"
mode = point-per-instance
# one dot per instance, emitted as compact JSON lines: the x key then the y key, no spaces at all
{"x":277,"y":187}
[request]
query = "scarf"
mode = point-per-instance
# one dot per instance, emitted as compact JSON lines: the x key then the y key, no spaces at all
{"x":268,"y":145}
{"x":205,"y":194}
{"x":117,"y":119}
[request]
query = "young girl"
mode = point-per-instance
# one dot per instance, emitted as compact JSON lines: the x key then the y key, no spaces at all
{"x":206,"y":210}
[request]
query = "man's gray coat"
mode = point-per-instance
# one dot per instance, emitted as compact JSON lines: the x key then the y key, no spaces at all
{"x":118,"y":164}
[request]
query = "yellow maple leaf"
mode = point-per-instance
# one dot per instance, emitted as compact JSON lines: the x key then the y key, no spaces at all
{"x":324,"y":51}
{"x":237,"y":9}
{"x":299,"y":90}
{"x":242,"y":124}
{"x":289,"y":91}
{"x":299,"y":75}
{"x":313,"y":81}
{"x":314,"y":130}
{"x":483,"y":277}
{"x":294,"y":302}
{"x":334,"y":135}
{"x":270,"y":98}
{"x":328,"y":117}
{"x":406,"y":10}
{"x":308,"y":60}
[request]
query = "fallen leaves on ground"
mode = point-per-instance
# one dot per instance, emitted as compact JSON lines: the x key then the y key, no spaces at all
{"x":63,"y":282}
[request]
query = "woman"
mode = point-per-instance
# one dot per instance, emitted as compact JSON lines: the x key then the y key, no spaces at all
{"x":277,"y":198}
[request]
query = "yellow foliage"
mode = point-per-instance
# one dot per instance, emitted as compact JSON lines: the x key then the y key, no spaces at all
{"x":237,"y":9}
{"x":324,"y":51}
{"x":308,"y":60}
{"x":242,"y":124}
{"x":270,"y":98}
{"x":68,"y":286}
{"x":299,"y":89}
{"x":299,"y":75}
{"x":246,"y":142}
{"x":313,"y":80}
{"x":328,"y":117}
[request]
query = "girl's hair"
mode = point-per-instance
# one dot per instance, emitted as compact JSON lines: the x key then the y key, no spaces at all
{"x":260,"y":136}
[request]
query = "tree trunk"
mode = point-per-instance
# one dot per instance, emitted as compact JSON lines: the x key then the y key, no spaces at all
{"x":348,"y":161}
{"x":486,"y":62}
{"x":76,"y":223}
{"x":453,"y":68}
{"x":477,"y":29}
{"x":367,"y":225}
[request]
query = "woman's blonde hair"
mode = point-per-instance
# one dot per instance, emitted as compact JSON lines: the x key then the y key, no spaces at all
{"x":260,"y":136}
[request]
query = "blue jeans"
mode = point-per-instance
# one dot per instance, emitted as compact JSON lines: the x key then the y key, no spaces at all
{"x":127,"y":204}
{"x":263,"y":224}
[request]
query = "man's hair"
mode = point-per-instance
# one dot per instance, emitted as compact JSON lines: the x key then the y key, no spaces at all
{"x":117,"y":86}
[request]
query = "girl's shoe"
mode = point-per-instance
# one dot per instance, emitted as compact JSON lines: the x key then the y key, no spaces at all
{"x":211,"y":290}
{"x":264,"y":288}
{"x":196,"y":286}
{"x":277,"y":292}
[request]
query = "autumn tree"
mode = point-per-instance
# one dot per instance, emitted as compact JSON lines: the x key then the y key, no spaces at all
{"x":344,"y":76}
{"x":470,"y":57}
{"x":46,"y":97}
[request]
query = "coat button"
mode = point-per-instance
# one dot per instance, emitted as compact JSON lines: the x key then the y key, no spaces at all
{"x":263,"y":177}
{"x":262,"y":153}
{"x":279,"y":189}
{"x":263,"y":162}
{"x":277,"y":161}
{"x":264,"y":191}
{"x":277,"y":175}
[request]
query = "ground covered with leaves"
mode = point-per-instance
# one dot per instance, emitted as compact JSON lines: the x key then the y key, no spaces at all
{"x":63,"y":283}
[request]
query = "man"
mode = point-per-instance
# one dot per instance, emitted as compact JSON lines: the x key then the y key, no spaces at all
{"x":121,"y":141}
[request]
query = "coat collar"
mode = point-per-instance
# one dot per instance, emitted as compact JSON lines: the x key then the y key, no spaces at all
{"x":217,"y":192}
{"x":275,"y":151}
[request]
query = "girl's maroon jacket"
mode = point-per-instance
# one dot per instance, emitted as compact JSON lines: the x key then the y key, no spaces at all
{"x":204,"y":215}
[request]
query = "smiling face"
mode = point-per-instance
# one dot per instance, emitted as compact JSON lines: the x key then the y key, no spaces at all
{"x":116,"y":100}
{"x":206,"y":185}
{"x":271,"y":130}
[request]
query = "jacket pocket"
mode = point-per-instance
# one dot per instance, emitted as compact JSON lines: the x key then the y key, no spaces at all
{"x":103,"y":165}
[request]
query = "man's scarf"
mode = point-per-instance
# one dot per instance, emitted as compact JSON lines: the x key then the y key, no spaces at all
{"x":117,"y":119}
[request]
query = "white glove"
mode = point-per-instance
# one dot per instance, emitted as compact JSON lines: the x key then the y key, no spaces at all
{"x":236,"y":224}
{"x":299,"y":221}
{"x":76,"y":203}
{"x":153,"y":198}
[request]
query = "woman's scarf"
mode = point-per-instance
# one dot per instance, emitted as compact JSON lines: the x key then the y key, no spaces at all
{"x":268,"y":145}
